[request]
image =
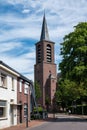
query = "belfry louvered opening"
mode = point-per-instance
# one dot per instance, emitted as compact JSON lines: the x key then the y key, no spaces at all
{"x":48,"y":49}
{"x":39,"y":54}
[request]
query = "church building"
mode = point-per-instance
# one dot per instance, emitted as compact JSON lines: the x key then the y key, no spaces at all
{"x":45,"y":67}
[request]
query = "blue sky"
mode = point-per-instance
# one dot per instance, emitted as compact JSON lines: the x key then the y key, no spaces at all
{"x":20,"y":28}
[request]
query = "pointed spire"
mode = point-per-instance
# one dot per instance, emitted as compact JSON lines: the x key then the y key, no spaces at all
{"x":44,"y":32}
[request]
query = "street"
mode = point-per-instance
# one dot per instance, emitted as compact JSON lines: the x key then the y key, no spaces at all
{"x":63,"y":122}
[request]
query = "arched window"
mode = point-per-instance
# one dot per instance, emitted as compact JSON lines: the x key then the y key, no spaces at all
{"x":39,"y":53}
{"x":48,"y":50}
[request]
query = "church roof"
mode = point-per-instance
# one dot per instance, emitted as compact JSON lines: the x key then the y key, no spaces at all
{"x":44,"y":31}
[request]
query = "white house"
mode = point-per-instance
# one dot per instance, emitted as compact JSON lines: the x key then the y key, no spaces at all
{"x":16,"y":93}
{"x":8,"y":96}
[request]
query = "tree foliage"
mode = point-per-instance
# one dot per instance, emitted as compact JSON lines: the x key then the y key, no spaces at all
{"x":74,"y":53}
{"x":74,"y":64}
{"x":37,"y":90}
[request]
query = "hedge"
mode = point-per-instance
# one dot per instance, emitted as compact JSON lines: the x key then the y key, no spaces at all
{"x":79,"y":109}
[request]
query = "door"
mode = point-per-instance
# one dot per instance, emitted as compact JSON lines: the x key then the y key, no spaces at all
{"x":19,"y":113}
{"x":12,"y":114}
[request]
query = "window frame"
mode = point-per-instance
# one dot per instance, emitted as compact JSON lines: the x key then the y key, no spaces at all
{"x":20,"y":86}
{"x":25,"y":109}
{"x":3,"y":80}
{"x":26,"y":88}
{"x":13,"y":81}
{"x":3,"y":109}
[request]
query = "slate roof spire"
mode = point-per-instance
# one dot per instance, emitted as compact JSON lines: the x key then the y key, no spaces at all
{"x":44,"y":31}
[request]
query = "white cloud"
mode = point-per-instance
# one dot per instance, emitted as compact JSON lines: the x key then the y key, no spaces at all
{"x":26,"y":11}
{"x":9,"y":46}
{"x":61,"y":17}
{"x":23,"y":64}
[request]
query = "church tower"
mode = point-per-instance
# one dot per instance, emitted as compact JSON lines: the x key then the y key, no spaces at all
{"x":45,"y":68}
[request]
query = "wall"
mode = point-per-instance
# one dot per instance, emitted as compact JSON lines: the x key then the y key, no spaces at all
{"x":21,"y":100}
{"x":8,"y":94}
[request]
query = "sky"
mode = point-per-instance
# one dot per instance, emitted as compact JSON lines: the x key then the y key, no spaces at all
{"x":20,"y":29}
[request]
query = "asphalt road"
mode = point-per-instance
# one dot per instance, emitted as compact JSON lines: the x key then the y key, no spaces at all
{"x":63,"y":122}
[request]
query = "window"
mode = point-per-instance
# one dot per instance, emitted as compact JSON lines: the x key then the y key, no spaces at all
{"x":20,"y":86}
{"x":26,"y":88}
{"x":48,"y":49}
{"x":25,"y":110}
{"x":12,"y":83}
{"x":3,"y":80}
{"x":2,"y":108}
{"x":1,"y":112}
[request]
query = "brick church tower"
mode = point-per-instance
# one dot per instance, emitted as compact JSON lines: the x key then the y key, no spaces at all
{"x":45,"y":68}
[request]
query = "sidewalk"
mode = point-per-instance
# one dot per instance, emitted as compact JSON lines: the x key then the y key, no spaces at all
{"x":82,"y":116}
{"x":34,"y":123}
{"x":22,"y":126}
{"x":74,"y":115}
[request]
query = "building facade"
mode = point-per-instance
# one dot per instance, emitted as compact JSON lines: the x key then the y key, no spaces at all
{"x":23,"y":99}
{"x":45,"y":67}
{"x":14,"y":97}
{"x":8,"y":96}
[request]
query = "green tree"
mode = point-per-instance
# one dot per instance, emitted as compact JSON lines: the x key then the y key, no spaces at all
{"x":73,"y":65}
{"x":74,"y":54}
{"x":37,"y":90}
{"x":66,"y":92}
{"x":47,"y":102}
